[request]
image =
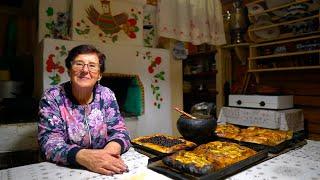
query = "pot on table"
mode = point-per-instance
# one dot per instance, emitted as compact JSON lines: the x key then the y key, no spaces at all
{"x":199,"y":130}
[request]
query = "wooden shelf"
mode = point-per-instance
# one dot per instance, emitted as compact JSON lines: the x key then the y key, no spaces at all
{"x":275,"y":8}
{"x":207,"y":53}
{"x":251,"y":29}
{"x":285,"y":54}
{"x":285,"y":68}
{"x":279,"y":23}
{"x":202,"y":75}
{"x":286,"y":41}
{"x":230,"y":46}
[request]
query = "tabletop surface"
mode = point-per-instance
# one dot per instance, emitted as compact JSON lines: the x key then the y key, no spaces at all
{"x":302,"y":163}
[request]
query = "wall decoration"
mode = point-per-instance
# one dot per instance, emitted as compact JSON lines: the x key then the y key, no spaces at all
{"x":179,"y":51}
{"x":150,"y":64}
{"x":157,"y":73}
{"x":54,"y":19}
{"x":107,"y":21}
{"x":55,"y":67}
{"x":149,"y":26}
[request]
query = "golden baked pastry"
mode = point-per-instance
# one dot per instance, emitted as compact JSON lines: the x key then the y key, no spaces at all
{"x":256,"y":135}
{"x":227,"y":130}
{"x":208,"y":157}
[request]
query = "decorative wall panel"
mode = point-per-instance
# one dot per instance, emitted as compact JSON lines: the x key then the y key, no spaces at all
{"x":108,"y":21}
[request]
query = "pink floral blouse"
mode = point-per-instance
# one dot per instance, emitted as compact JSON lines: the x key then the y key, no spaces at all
{"x":65,"y":126}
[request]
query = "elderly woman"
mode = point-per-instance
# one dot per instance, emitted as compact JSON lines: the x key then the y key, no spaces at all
{"x":80,"y":122}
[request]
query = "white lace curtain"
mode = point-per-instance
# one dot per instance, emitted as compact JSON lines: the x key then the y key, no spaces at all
{"x":196,"y":21}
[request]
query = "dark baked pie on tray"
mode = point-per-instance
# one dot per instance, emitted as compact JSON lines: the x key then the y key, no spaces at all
{"x":163,"y":143}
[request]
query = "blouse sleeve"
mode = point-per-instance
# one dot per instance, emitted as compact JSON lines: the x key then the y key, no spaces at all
{"x":117,"y":130}
{"x":52,"y":135}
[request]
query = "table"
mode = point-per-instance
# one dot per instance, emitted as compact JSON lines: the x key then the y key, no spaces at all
{"x":302,"y":163}
{"x":136,"y":162}
{"x":298,"y":164}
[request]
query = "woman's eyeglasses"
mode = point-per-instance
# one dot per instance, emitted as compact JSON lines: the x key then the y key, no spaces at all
{"x":79,"y":65}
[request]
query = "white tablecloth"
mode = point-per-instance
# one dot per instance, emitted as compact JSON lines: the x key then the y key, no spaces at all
{"x":290,"y":119}
{"x":298,"y":164}
{"x":136,"y":162}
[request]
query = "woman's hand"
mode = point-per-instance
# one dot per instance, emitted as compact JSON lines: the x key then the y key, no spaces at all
{"x":101,"y":161}
{"x":113,"y":148}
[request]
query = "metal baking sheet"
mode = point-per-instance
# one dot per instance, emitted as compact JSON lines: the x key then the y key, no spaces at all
{"x":141,"y":148}
{"x":297,"y":136}
{"x":157,"y":165}
{"x":148,"y":150}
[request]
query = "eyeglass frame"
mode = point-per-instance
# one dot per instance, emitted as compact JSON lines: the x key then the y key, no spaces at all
{"x":85,"y":64}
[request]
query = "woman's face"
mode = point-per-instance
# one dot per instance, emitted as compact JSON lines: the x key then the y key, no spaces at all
{"x":85,"y":70}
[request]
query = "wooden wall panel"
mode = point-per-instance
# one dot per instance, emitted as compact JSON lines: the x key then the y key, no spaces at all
{"x":305,"y":86}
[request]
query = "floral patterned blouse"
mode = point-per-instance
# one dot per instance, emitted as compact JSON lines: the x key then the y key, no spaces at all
{"x":65,"y":126}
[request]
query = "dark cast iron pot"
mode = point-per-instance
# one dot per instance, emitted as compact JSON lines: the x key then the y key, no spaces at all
{"x":200,"y":130}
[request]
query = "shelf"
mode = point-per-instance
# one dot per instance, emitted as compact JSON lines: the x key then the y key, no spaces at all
{"x":202,"y":75}
{"x":285,"y":54}
{"x":252,"y":29}
{"x":207,"y":53}
{"x":230,"y":46}
{"x":286,"y":41}
{"x":284,"y":69}
{"x":275,"y":8}
{"x":202,"y":93}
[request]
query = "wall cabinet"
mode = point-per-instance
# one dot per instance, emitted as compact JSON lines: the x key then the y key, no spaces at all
{"x":199,"y":79}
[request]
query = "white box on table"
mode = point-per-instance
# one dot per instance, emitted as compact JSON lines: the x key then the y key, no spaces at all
{"x":261,"y":101}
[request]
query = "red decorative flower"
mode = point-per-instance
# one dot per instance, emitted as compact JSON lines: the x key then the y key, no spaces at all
{"x":150,"y":69}
{"x":130,"y":28}
{"x":51,"y":65}
{"x":132,"y":35}
{"x":132,"y":22}
{"x":60,"y":69}
{"x":158,"y":60}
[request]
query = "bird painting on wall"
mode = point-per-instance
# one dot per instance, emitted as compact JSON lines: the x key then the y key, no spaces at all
{"x":112,"y":25}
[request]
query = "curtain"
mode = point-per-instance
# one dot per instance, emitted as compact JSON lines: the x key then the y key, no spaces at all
{"x":196,"y":21}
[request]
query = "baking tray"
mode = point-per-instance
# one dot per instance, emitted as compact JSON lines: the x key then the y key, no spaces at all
{"x":297,"y":137}
{"x":148,"y":151}
{"x":157,"y":165}
{"x":151,"y":152}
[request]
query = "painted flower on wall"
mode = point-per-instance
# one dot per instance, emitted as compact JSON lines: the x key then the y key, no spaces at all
{"x":54,"y":67}
{"x":157,"y":73}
